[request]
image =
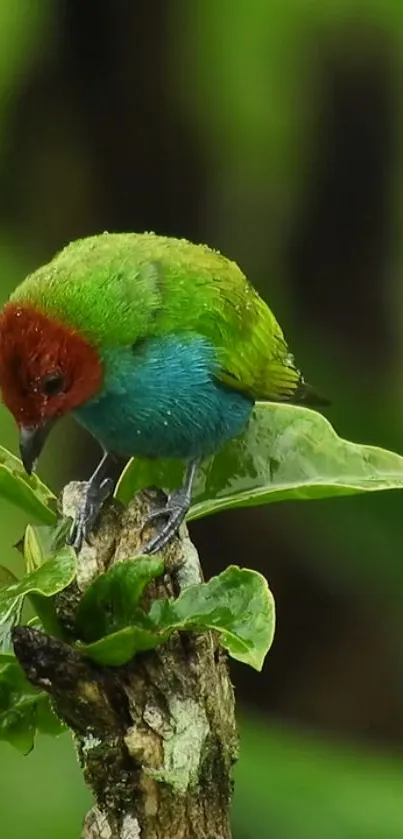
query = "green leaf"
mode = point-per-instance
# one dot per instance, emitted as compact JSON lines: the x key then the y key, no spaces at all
{"x":110,"y":603}
{"x":120,"y":647}
{"x":10,"y":611}
{"x":23,"y":709}
{"x":48,"y":573}
{"x":6,"y":659}
{"x":141,"y":472}
{"x":53,"y":576}
{"x":25,"y":491}
{"x":37,"y":546}
{"x":286,"y":453}
{"x":10,"y":616}
{"x":40,"y":546}
{"x":46,"y":720}
{"x":237,"y":603}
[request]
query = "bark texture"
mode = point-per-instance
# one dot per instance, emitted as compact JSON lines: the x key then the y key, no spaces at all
{"x":156,"y":739}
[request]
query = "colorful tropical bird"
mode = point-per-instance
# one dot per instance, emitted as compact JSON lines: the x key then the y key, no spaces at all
{"x":159,"y":348}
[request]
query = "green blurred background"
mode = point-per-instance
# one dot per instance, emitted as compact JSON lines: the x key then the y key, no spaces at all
{"x":271,"y":129}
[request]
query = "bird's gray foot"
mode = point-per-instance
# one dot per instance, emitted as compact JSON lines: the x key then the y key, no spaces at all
{"x":93,"y":500}
{"x":97,"y":490}
{"x":174,"y":512}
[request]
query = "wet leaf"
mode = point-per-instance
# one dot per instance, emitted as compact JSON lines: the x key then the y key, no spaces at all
{"x":111,"y":602}
{"x":5,"y":659}
{"x":237,"y":603}
{"x":120,"y":647}
{"x":37,"y":546}
{"x":46,"y":720}
{"x":27,"y":492}
{"x":48,"y":579}
{"x":10,"y":611}
{"x":23,"y":709}
{"x":40,"y":547}
{"x":286,"y":453}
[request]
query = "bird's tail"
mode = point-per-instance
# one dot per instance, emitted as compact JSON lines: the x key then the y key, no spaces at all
{"x":287,"y":384}
{"x":305,"y":394}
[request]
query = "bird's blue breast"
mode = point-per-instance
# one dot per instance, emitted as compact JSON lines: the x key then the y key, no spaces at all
{"x":161,"y":399}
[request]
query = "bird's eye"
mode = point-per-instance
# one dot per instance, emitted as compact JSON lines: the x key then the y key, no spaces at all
{"x":53,"y":384}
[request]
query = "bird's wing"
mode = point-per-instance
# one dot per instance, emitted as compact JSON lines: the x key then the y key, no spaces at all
{"x":118,"y":288}
{"x":205,"y":293}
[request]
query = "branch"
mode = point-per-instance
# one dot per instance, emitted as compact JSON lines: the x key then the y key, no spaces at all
{"x":156,"y":739}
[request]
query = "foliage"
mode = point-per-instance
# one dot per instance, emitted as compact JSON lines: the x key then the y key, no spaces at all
{"x":265,"y":113}
{"x":25,"y":491}
{"x":286,"y":452}
{"x":237,"y":604}
{"x":23,"y":709}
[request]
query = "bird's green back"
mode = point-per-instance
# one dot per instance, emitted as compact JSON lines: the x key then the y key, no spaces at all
{"x":119,"y":288}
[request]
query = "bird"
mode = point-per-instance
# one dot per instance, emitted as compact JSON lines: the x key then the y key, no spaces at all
{"x":157,"y":346}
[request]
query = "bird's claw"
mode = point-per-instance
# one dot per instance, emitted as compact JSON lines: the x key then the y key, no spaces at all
{"x":94,"y":497}
{"x":174,"y":512}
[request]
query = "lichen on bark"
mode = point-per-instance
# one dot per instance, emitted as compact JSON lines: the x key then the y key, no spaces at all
{"x":156,"y":739}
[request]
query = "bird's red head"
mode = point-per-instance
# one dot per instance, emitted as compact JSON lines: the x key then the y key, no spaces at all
{"x":46,"y":370}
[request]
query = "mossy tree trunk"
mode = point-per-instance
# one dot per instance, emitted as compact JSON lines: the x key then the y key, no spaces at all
{"x":156,"y":739}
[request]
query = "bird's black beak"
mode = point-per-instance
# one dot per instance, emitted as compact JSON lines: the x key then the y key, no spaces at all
{"x":32,"y":440}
